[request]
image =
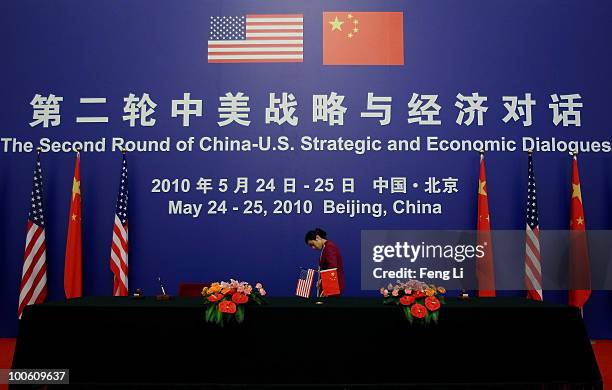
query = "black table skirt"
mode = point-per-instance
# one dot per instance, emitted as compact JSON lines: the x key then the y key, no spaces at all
{"x":346,"y":342}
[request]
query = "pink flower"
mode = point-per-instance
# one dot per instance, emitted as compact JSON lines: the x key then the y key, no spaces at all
{"x":395,"y":292}
{"x":386,"y":293}
{"x":262,"y":292}
{"x":258,"y":286}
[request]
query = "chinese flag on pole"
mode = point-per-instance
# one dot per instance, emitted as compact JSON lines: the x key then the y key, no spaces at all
{"x":73,"y":260}
{"x":329,"y":279}
{"x":579,"y":270}
{"x":485,"y":271}
{"x":363,"y":38}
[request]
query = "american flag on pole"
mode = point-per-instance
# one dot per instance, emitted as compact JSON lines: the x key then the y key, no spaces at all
{"x":119,"y":246}
{"x":533,"y":262}
{"x":304,"y":284}
{"x":33,"y":288}
{"x":256,"y":38}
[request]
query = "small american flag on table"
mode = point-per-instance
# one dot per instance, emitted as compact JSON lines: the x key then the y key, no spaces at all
{"x":304,"y":284}
{"x":256,"y":38}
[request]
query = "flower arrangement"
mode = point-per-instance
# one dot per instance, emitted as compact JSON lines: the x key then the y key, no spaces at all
{"x":420,"y":301}
{"x":226,"y":301}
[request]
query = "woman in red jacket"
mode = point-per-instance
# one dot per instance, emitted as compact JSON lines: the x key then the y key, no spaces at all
{"x":330,"y":255}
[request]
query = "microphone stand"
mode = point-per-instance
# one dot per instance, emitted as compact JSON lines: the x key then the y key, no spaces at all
{"x":319,"y":289}
{"x":163,"y":296}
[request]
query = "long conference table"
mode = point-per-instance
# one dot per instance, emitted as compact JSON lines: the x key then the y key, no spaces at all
{"x":114,"y":342}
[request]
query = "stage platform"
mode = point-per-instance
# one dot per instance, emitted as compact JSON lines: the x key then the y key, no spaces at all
{"x":342,"y":343}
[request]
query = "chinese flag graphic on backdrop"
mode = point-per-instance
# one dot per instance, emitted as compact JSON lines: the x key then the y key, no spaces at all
{"x":363,"y":38}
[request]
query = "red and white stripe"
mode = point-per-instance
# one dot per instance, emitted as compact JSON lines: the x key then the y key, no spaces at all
{"x":533,"y":264}
{"x":33,"y":288}
{"x":304,"y":286}
{"x":269,"y":38}
{"x":119,"y":258}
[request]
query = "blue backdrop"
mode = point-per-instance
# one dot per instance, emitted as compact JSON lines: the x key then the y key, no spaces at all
{"x":80,"y":49}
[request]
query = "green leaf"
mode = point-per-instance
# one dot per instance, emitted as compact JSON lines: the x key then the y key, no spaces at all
{"x":219,"y":317}
{"x":209,"y":313}
{"x":408,"y":314}
{"x":435,"y":316}
{"x":240,"y":314}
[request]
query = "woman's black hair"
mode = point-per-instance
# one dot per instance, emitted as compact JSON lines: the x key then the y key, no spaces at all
{"x":312,"y":235}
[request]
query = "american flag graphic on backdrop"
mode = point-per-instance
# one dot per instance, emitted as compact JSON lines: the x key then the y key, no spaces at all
{"x":33,"y":288}
{"x":119,"y":246}
{"x":533,"y":263}
{"x":304,"y":284}
{"x":256,"y":38}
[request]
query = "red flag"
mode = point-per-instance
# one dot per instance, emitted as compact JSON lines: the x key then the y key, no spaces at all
{"x":485,"y":271}
{"x":363,"y":38}
{"x":73,"y":260}
{"x":329,"y":278}
{"x":579,"y":270}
